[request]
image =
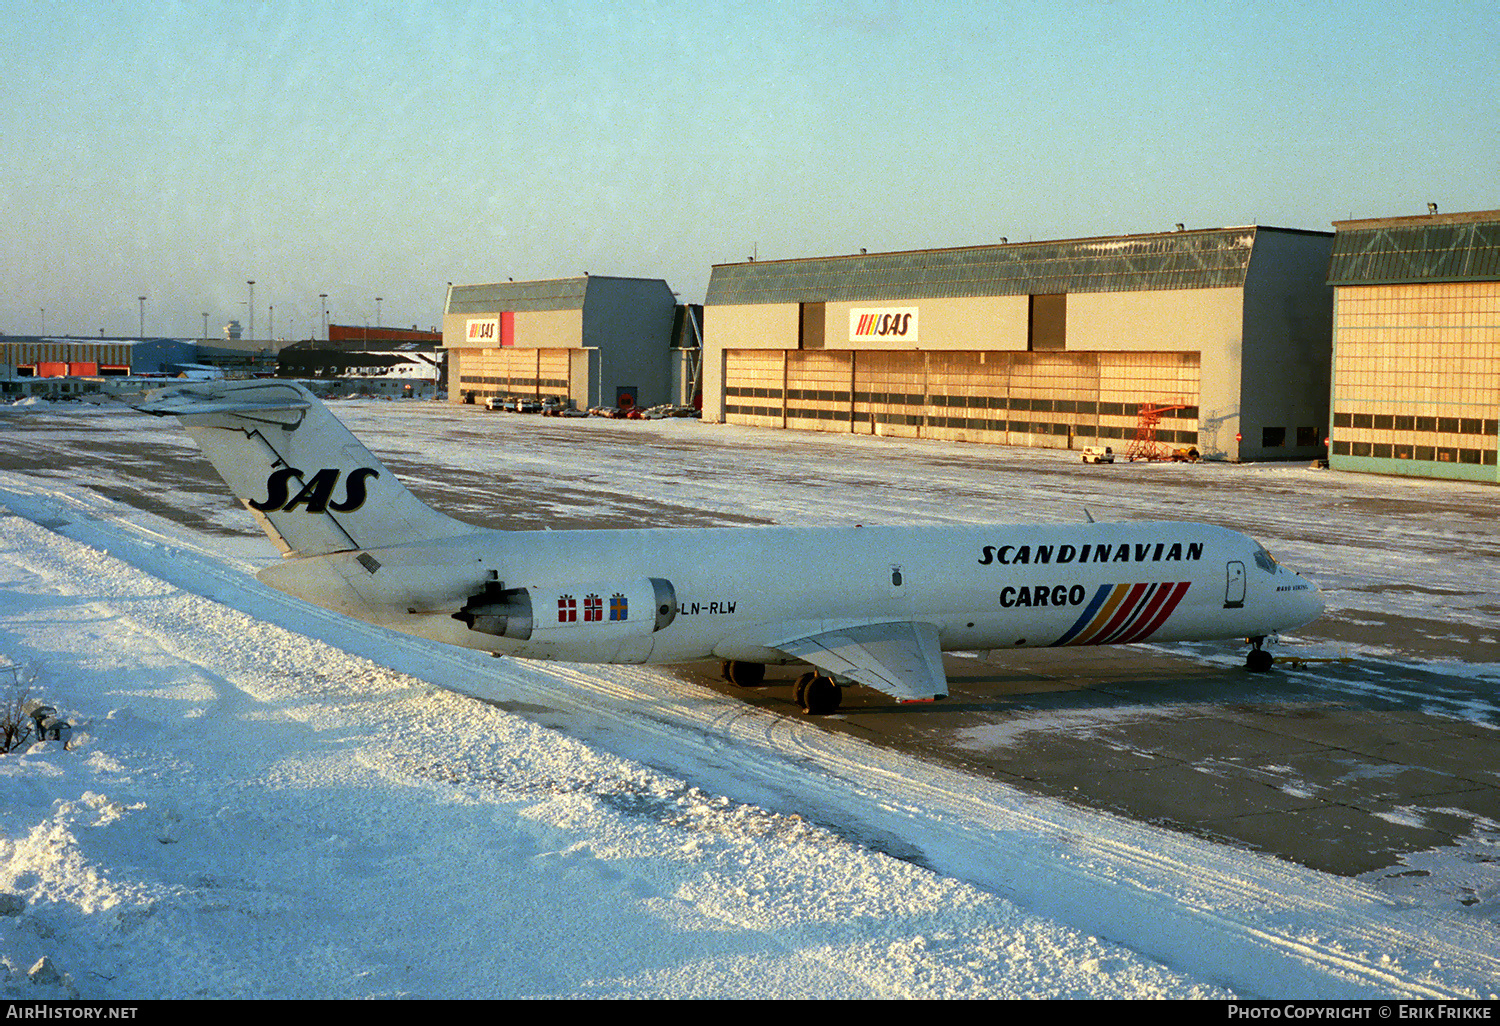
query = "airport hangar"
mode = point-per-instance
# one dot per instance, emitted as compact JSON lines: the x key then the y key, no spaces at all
{"x":591,"y":339}
{"x":1226,"y":332}
{"x":1416,"y":345}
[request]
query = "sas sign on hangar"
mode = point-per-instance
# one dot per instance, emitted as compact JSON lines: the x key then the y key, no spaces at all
{"x":875,"y":324}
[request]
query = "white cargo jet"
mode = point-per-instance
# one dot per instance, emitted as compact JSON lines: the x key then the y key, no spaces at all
{"x":873,"y":605}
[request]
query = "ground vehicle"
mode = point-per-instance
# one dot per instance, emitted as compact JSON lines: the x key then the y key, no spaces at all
{"x":1098,"y":454}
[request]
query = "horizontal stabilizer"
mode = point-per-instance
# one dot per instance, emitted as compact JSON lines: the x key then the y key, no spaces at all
{"x":182,"y":403}
{"x":901,"y":659}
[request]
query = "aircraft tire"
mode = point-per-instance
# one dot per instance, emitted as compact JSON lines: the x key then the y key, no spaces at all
{"x":744,"y":675}
{"x":821,"y":696}
{"x":1258,"y":660}
{"x":799,"y":689}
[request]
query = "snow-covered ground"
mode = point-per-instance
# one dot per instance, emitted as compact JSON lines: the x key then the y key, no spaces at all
{"x":266,"y":800}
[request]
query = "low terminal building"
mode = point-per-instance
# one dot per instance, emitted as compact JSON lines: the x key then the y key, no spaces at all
{"x":43,"y":365}
{"x":1416,"y":345}
{"x":48,"y":357}
{"x":362,"y":336}
{"x":590,"y":340}
{"x":1224,"y":334}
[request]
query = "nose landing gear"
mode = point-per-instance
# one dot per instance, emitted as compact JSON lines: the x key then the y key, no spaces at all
{"x":1258,"y":660}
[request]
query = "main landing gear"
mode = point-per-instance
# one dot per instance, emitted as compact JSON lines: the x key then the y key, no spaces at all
{"x":816,"y":694}
{"x":744,"y":675}
{"x":1258,"y":660}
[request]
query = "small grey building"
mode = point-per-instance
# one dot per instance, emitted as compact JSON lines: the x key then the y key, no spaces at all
{"x":595,"y":340}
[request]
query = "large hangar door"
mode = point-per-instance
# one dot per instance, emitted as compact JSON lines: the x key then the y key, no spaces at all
{"x":819,"y":390}
{"x":552,"y":374}
{"x":754,"y":387}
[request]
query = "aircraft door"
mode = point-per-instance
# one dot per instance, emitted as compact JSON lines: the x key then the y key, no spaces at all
{"x":1234,"y":587}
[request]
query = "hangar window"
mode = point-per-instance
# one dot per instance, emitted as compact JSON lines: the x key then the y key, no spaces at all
{"x":1049,"y":321}
{"x":810,"y":326}
{"x":1272,"y":437}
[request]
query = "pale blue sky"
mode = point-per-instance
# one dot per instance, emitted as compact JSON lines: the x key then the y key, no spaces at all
{"x":374,"y":149}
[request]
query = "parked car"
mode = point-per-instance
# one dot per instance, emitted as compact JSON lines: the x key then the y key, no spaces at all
{"x":1098,"y":454}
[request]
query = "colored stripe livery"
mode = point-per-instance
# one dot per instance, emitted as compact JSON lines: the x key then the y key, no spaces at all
{"x":1119,"y":614}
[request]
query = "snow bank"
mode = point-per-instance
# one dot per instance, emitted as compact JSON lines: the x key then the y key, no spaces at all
{"x":246,"y":812}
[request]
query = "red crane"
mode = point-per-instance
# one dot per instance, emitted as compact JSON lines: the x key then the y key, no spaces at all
{"x":1145,"y":446}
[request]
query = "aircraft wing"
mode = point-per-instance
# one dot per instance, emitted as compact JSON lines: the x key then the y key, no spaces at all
{"x":901,"y":659}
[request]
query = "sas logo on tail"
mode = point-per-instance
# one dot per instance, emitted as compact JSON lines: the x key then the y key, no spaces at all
{"x":316,"y":494}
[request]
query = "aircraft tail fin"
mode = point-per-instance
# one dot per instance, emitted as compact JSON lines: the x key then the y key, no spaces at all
{"x":309,"y":482}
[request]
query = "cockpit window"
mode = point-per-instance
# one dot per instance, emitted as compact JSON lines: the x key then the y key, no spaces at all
{"x":1265,"y":560}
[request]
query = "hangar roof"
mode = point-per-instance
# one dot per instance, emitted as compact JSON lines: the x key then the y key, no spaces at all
{"x":1208,"y":258}
{"x":1399,"y":250}
{"x":551,"y":294}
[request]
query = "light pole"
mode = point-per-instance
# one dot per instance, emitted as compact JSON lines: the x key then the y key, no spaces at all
{"x":271,"y":322}
{"x":143,"y":316}
{"x":252,"y":308}
{"x":205,"y":327}
{"x":324,"y":297}
{"x":377,"y":311}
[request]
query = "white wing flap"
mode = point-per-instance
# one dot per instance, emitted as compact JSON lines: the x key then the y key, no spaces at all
{"x":901,"y":659}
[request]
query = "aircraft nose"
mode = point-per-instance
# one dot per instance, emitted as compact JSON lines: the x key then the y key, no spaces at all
{"x":1309,"y":604}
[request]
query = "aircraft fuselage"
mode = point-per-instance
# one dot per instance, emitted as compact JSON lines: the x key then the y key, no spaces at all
{"x":734,"y":593}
